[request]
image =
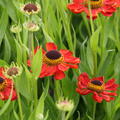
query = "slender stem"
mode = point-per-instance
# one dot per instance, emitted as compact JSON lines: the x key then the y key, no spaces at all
{"x":91,"y":19}
{"x":94,"y":110}
{"x":19,"y":102}
{"x":63,"y":115}
{"x":20,"y":106}
{"x":35,"y":93}
{"x":30,"y":44}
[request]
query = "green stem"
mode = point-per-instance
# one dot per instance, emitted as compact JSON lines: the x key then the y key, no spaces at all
{"x":19,"y":102}
{"x":30,"y":43}
{"x":20,"y":106}
{"x":94,"y":110}
{"x":35,"y":93}
{"x":63,"y":115}
{"x":91,"y":20}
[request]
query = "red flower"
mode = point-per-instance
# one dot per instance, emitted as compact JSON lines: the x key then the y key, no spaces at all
{"x":56,"y":62}
{"x":97,"y":87}
{"x":6,"y":86}
{"x":106,"y":7}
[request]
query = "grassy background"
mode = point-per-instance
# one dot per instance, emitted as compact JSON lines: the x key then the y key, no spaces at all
{"x":68,"y":31}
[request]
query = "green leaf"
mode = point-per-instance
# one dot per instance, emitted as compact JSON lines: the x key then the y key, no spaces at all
{"x":19,"y":52}
{"x":2,"y":63}
{"x":94,"y":40}
{"x":37,"y":63}
{"x":40,"y":107}
{"x":3,"y":24}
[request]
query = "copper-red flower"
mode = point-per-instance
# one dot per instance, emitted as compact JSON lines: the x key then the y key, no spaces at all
{"x":55,"y":62}
{"x":97,"y":87}
{"x":6,"y":87}
{"x":106,"y":7}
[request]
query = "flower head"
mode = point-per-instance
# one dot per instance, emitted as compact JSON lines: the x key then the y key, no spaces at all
{"x":106,"y":7}
{"x":55,"y":62}
{"x":6,"y":86}
{"x":12,"y":71}
{"x":65,"y":104}
{"x":30,"y":8}
{"x":97,"y":87}
{"x":31,"y":26}
{"x":16,"y":28}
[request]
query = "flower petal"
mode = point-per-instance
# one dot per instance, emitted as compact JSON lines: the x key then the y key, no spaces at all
{"x":66,"y":52}
{"x":72,"y":60}
{"x":47,"y":70}
{"x":83,"y":91}
{"x":59,"y":75}
{"x":76,"y":8}
{"x":97,"y":98}
{"x":109,"y":93}
{"x":63,"y":67}
{"x":84,"y":79}
{"x":99,"y":78}
{"x":106,"y":97}
{"x":51,"y":46}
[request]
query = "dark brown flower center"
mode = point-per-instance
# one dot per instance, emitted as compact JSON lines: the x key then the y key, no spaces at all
{"x":30,"y":7}
{"x":94,"y":0}
{"x":96,"y":85}
{"x":2,"y":84}
{"x":12,"y":71}
{"x":96,"y":82}
{"x":1,"y":80}
{"x":53,"y":54}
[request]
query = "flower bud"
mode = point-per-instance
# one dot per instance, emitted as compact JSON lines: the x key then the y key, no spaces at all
{"x":65,"y":105}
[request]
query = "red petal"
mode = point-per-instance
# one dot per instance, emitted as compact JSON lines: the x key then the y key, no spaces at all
{"x":29,"y":63}
{"x":83,"y":91}
{"x":106,"y":97}
{"x":51,"y":46}
{"x":63,"y":67}
{"x":1,"y":71}
{"x":47,"y":70}
{"x":59,"y":75}
{"x":76,"y":8}
{"x":36,"y":49}
{"x":97,"y":98}
{"x":84,"y":79}
{"x":109,"y":93}
{"x":99,"y":78}
{"x":73,"y":66}
{"x":72,"y":60}
{"x":113,"y":87}
{"x":66,"y":52}
{"x":109,"y":83}
{"x":14,"y":95}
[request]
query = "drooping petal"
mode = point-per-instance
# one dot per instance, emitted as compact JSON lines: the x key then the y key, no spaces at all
{"x":109,"y":93}
{"x":83,"y":91}
{"x":51,"y":46}
{"x":75,"y":66}
{"x":113,"y":87}
{"x":63,"y":67}
{"x":97,"y":98}
{"x":106,"y":97}
{"x":72,"y":60}
{"x":75,"y":8}
{"x":59,"y":75}
{"x":47,"y":70}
